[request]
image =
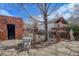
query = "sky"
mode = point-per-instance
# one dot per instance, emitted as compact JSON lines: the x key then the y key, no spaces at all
{"x":16,"y":9}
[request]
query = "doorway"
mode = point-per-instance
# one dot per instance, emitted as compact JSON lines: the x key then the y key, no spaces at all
{"x":11,"y":31}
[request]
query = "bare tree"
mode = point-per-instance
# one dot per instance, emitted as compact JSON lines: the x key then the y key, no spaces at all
{"x":45,"y":11}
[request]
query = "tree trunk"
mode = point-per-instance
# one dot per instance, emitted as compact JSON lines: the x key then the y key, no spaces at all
{"x":46,"y":27}
{"x":34,"y":36}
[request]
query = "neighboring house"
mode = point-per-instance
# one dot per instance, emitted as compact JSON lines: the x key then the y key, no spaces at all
{"x":60,"y":29}
{"x":61,"y":23}
{"x":10,"y":27}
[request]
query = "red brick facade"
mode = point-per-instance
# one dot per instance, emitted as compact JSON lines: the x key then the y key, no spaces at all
{"x":4,"y":20}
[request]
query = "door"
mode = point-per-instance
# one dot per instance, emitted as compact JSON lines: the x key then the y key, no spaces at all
{"x":11,"y":31}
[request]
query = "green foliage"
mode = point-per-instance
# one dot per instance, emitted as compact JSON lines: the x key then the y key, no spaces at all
{"x":75,"y":29}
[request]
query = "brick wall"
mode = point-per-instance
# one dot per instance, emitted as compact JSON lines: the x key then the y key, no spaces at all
{"x":4,"y":20}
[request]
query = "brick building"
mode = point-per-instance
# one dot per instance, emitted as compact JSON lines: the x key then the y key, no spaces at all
{"x":10,"y":27}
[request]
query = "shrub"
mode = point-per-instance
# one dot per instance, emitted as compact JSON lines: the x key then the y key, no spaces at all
{"x":75,"y":29}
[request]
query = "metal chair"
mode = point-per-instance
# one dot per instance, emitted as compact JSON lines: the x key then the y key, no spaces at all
{"x":25,"y":44}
